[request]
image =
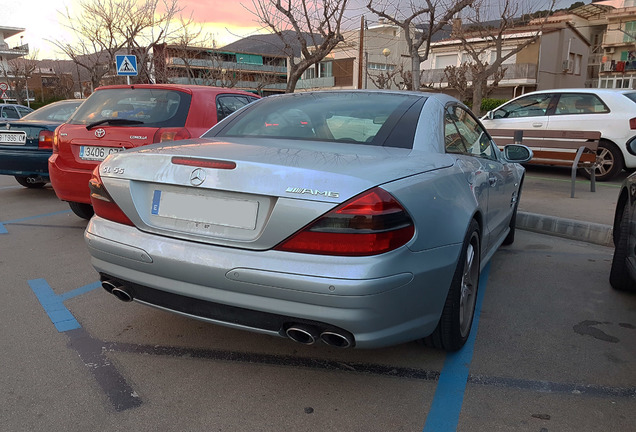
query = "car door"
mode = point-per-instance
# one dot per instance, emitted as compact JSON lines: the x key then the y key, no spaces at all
{"x":525,"y":112}
{"x":494,"y":181}
{"x":579,"y":111}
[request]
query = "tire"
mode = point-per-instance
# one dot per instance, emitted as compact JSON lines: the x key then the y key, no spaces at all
{"x":24,"y":181}
{"x":85,"y":211}
{"x":454,"y":325}
{"x":619,"y":275}
{"x":609,"y":160}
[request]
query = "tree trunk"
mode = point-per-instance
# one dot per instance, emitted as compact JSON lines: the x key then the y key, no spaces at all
{"x":477,"y":98}
{"x":415,"y":72}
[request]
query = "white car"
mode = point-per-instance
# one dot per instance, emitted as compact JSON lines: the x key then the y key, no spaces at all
{"x":609,"y":111}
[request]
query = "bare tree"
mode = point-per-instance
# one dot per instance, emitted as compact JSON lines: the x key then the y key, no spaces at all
{"x":315,"y":28}
{"x":106,"y":28}
{"x":432,"y":16}
{"x":478,"y":39}
{"x":388,"y":79}
{"x":17,"y":74}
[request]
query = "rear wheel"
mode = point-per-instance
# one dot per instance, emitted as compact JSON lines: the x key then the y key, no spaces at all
{"x":85,"y":211}
{"x":31,"y":182}
{"x":609,"y":162}
{"x":620,"y":278}
{"x":454,"y":325}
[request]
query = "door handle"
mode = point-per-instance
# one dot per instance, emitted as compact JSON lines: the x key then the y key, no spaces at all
{"x":537,"y":124}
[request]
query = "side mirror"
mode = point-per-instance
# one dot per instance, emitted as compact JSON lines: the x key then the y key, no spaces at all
{"x":490,"y":115}
{"x":631,"y":146}
{"x":517,"y":153}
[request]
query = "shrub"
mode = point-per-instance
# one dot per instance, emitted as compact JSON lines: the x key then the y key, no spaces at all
{"x":490,"y":104}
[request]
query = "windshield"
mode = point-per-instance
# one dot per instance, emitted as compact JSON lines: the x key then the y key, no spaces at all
{"x":134,"y":107}
{"x":352,"y":117}
{"x":55,"y":112}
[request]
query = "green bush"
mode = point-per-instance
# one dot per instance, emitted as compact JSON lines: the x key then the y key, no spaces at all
{"x":491,"y":104}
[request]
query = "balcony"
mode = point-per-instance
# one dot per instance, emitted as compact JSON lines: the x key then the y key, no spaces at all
{"x":219,"y":83}
{"x":216,"y":64}
{"x":11,"y":53}
{"x":316,"y":83}
{"x":522,"y":73}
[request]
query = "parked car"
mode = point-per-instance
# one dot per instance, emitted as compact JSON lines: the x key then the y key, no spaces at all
{"x":623,"y":270}
{"x":26,"y":143}
{"x":609,"y":111}
{"x":116,"y":118}
{"x":358,"y":218}
{"x":13,"y":111}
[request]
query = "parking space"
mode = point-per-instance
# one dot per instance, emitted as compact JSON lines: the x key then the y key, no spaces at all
{"x":553,"y":350}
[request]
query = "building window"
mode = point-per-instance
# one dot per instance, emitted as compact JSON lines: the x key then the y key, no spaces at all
{"x":443,"y":60}
{"x":326,"y":69}
{"x":380,"y":66}
{"x":629,"y":31}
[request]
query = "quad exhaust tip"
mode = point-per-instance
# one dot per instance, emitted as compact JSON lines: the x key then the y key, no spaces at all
{"x":302,"y":334}
{"x":117,"y":290}
{"x":308,"y":335}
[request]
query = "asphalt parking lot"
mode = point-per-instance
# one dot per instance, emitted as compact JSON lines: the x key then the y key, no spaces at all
{"x":552,"y":349}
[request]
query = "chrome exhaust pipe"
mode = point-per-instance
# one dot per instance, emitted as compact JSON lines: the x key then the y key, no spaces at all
{"x":122,"y":294}
{"x":109,"y":285}
{"x":302,"y":334}
{"x":118,"y":290}
{"x":336,"y":339}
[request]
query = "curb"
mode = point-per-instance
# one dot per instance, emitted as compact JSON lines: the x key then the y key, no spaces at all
{"x":568,"y":228}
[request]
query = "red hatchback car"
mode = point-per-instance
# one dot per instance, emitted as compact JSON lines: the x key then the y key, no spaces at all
{"x":116,"y":118}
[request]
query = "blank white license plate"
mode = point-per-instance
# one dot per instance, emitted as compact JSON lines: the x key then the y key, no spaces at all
{"x":227,"y":212}
{"x":97,"y":153}
{"x":14,"y":138}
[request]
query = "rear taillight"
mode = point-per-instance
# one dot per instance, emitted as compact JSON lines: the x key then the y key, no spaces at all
{"x":368,"y":224}
{"x":45,"y":139}
{"x":56,"y":142}
{"x":103,"y":203}
{"x":171,"y":134}
{"x":632,"y":123}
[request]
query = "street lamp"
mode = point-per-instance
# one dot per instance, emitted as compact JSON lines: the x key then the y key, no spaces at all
{"x":386,"y":53}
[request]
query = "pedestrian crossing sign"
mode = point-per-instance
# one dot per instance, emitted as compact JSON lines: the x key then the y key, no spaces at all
{"x":126,"y":65}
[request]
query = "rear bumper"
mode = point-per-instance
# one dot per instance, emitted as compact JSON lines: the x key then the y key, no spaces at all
{"x":380,"y":301}
{"x":69,"y":184}
{"x":24,"y":162}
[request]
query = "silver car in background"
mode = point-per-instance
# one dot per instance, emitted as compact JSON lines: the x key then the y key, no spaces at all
{"x":356,"y":218}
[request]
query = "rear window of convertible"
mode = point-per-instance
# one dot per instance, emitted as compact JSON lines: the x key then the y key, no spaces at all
{"x":369,"y":118}
{"x":142,"y":106}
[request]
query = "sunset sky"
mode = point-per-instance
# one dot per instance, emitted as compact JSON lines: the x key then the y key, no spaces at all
{"x":223,"y":20}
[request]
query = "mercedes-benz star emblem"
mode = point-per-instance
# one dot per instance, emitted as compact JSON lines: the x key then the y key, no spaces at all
{"x":197,"y":177}
{"x":99,"y":133}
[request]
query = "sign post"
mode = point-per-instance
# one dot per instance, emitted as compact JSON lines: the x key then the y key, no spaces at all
{"x":126,"y":66}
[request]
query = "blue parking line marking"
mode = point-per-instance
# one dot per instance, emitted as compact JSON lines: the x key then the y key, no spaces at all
{"x":53,"y":304}
{"x":449,"y":395}
{"x":3,"y":230}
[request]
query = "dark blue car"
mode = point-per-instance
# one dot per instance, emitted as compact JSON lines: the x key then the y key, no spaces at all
{"x":26,"y":143}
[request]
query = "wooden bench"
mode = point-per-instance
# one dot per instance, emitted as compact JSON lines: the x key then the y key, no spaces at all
{"x":576,"y":149}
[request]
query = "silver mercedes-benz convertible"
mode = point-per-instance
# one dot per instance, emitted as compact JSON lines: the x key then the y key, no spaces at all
{"x":356,"y":218}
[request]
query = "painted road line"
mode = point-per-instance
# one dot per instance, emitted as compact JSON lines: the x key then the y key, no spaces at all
{"x":119,"y":392}
{"x":3,"y":230}
{"x":443,"y":415}
{"x":53,"y":304}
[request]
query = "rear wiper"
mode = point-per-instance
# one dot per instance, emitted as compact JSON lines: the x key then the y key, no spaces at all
{"x":115,"y":121}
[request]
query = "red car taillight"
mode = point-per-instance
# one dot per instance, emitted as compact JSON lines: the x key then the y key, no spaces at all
{"x":368,"y":224}
{"x":56,"y":142}
{"x":103,"y":203}
{"x":45,"y":139}
{"x":171,"y":134}
{"x":632,"y":123}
